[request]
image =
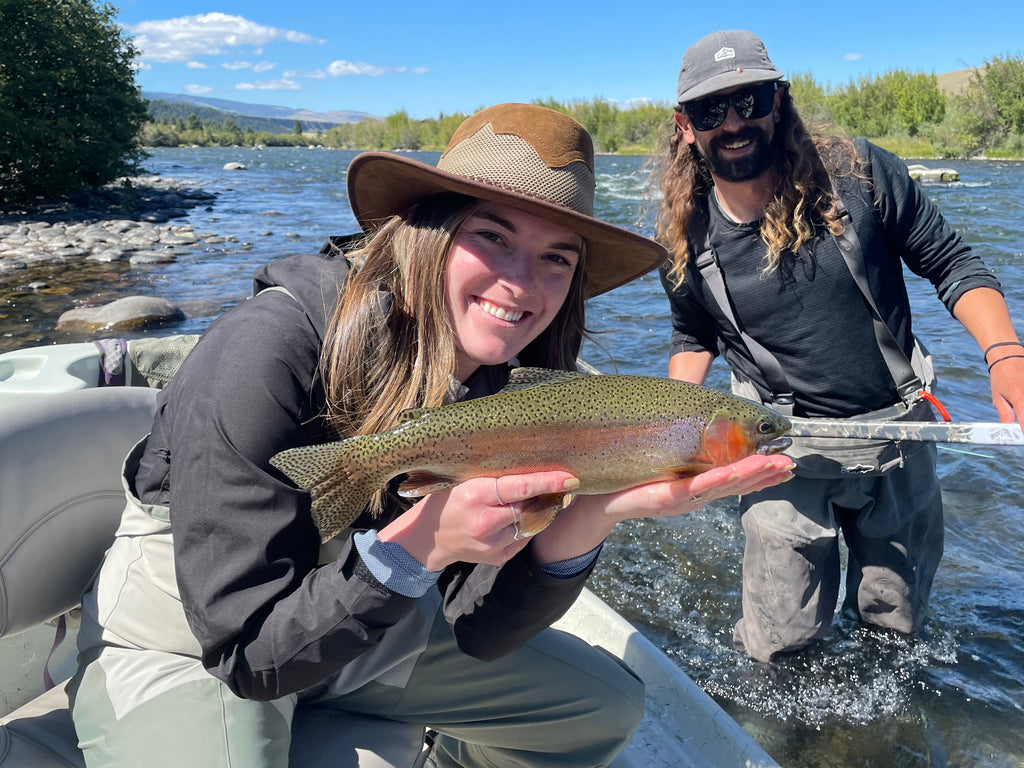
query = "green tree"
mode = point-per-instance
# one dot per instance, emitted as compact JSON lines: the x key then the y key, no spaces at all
{"x":811,"y":99}
{"x":897,"y":102}
{"x":70,"y":111}
{"x":399,"y":131}
{"x":971,"y":124}
{"x":232,"y":133}
{"x":1004,"y":84}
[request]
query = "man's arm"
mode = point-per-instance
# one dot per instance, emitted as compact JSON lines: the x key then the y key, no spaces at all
{"x":984,"y":314}
{"x":690,"y":366}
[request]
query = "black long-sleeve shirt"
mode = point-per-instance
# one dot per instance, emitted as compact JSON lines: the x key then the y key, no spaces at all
{"x":269,"y":619}
{"x":809,"y":313}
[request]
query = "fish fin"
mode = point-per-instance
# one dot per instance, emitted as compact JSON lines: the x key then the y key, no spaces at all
{"x":338,"y":493}
{"x":537,"y":513}
{"x":686,"y":470}
{"x":420,"y":482}
{"x":527,"y":378}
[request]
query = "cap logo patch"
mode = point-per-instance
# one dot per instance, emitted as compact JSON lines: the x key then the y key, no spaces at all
{"x":725,"y":52}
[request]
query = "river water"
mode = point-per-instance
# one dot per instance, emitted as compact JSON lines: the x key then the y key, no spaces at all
{"x":951,"y":696}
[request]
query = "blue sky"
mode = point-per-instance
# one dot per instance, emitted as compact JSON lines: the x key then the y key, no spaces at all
{"x":431,"y":58}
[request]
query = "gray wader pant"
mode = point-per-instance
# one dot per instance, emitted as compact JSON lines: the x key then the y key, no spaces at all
{"x":891,"y":520}
{"x":141,"y":697}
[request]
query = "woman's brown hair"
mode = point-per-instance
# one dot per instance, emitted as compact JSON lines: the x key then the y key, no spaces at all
{"x":390,"y":346}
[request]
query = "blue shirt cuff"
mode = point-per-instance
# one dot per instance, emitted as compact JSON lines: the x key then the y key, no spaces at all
{"x":393,"y":567}
{"x":565,"y":569}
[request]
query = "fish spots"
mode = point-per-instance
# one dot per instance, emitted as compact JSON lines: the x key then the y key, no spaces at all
{"x":611,"y":432}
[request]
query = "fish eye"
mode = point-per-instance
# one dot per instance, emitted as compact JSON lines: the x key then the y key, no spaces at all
{"x":765,"y":427}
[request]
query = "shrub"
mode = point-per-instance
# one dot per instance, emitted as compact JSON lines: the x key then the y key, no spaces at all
{"x":70,"y":111}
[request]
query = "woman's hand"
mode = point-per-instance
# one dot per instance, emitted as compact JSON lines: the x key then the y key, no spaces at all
{"x":478,"y":521}
{"x":589,"y":519}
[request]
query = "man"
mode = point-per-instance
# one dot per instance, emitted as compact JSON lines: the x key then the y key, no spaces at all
{"x":787,"y":259}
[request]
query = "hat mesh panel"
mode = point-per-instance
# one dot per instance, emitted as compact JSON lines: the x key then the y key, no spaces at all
{"x":510,"y":162}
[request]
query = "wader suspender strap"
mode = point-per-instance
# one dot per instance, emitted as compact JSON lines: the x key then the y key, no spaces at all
{"x":707,"y":262}
{"x":907,"y":382}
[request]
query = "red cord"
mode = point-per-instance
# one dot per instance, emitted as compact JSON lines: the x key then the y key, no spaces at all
{"x":938,"y":406}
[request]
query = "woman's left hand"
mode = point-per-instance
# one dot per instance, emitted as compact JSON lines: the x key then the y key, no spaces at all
{"x":674,"y":497}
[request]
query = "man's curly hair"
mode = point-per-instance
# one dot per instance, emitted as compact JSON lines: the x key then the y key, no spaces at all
{"x":803,"y":201}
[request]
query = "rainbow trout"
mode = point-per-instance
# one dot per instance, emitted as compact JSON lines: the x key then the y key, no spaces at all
{"x":611,"y":432}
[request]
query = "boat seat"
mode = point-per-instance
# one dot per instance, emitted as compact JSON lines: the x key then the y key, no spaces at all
{"x":60,"y":468}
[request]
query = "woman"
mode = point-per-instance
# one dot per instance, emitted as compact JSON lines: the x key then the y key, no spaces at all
{"x":218,"y":609}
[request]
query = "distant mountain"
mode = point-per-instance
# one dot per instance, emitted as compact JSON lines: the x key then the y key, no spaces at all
{"x":335,"y":117}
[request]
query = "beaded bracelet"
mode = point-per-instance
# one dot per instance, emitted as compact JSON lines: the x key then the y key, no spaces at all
{"x":1001,"y":344}
{"x":1007,"y":357}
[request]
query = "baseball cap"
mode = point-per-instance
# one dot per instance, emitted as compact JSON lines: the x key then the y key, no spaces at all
{"x":724,"y":59}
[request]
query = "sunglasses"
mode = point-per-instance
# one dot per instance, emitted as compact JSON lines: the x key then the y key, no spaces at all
{"x":751,"y":103}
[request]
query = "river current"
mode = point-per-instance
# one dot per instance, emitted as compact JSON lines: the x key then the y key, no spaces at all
{"x":951,"y":696}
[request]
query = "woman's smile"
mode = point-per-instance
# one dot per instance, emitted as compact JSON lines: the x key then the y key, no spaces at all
{"x":508,"y":315}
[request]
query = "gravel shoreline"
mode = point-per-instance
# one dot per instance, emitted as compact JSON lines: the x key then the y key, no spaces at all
{"x":130,"y":220}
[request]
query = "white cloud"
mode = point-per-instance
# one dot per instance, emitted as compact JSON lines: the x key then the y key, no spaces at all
{"x":233,"y":65}
{"x":854,"y":56}
{"x":263,"y":66}
{"x":282,"y":84}
{"x":342,"y":68}
{"x":190,"y":65}
{"x":197,"y":89}
{"x":210,"y":34}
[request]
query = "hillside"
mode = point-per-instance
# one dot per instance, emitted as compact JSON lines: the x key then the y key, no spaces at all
{"x":953,"y":82}
{"x":169,"y":107}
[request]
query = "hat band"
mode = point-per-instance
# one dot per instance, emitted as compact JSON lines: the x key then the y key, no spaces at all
{"x":511,"y":163}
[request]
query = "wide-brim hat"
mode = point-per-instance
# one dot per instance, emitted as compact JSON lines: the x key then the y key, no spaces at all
{"x":722,"y":60}
{"x":523,"y":155}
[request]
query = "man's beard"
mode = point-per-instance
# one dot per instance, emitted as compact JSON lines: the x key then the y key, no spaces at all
{"x":745,"y":168}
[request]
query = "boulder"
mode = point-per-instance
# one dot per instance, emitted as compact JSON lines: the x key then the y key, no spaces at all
{"x":132,"y":313}
{"x":923,"y":173}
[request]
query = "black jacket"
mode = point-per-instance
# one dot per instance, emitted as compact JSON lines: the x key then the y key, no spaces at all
{"x":269,"y":619}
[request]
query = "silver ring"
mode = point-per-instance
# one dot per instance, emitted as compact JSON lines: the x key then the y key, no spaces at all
{"x":517,"y":534}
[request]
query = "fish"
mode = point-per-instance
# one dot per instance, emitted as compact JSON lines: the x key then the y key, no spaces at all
{"x":612,"y":432}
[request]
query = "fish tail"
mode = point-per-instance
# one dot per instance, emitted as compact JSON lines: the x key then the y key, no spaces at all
{"x":339,"y":493}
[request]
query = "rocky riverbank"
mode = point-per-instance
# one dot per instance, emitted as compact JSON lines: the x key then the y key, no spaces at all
{"x":140,"y":220}
{"x":130,"y":221}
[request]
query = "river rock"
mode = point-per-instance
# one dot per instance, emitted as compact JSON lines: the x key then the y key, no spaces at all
{"x":923,"y":173}
{"x":132,"y":313}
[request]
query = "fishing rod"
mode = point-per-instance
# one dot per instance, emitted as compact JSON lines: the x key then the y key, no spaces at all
{"x":974,"y":432}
